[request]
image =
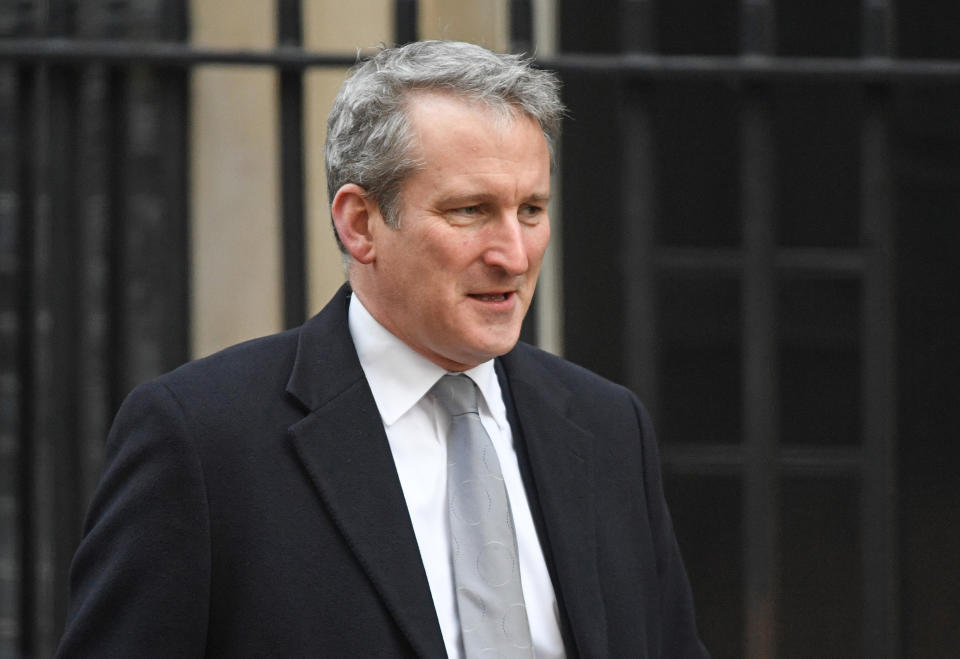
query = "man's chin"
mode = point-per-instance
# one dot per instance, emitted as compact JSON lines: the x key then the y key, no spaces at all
{"x":495,"y":347}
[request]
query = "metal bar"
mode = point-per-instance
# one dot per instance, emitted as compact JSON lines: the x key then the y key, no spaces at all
{"x":878,"y":29}
{"x":759,"y":347}
{"x":289,"y":23}
{"x":881,"y":617}
{"x":151,"y":241}
{"x":706,"y":261}
{"x":759,"y":68}
{"x":742,"y":68}
{"x":521,"y":39}
{"x":291,"y":168}
{"x":14,"y":346}
{"x":174,"y":20}
{"x":761,"y":378}
{"x":50,"y":479}
{"x":638,"y":195}
{"x":757,"y":33}
{"x":790,"y":260}
{"x":173,"y":188}
{"x":821,"y":461}
{"x":163,"y":53}
{"x":35,"y":506}
{"x":637,"y":22}
{"x":702,"y":459}
{"x":93,"y":193}
{"x":66,"y":515}
{"x":53,"y":311}
{"x":116,"y":139}
{"x":12,"y":368}
{"x":521,"y":26}
{"x":729,"y":459}
{"x":406,"y":19}
{"x":879,"y":513}
{"x":821,"y":261}
{"x":29,"y":132}
{"x":93,"y":212}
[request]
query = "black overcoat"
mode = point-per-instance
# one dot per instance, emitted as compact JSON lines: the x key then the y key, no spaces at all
{"x":250,"y":507}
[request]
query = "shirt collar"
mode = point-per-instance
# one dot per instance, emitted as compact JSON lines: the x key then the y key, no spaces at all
{"x":399,"y":376}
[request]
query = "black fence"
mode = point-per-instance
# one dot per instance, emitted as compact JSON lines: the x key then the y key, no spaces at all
{"x":736,"y":197}
{"x":782,"y":169}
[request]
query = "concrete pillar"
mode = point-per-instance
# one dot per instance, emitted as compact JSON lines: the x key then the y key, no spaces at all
{"x":235,"y":227}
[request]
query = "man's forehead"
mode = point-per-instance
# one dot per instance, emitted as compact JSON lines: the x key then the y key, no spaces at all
{"x":438,"y":121}
{"x":421,"y":102}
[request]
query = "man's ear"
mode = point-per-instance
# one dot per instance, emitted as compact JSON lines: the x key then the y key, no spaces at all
{"x":353,"y":213}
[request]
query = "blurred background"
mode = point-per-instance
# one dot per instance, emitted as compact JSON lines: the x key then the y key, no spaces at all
{"x":756,"y":222}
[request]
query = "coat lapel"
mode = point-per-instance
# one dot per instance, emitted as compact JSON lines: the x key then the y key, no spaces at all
{"x":561,"y":463}
{"x":344,"y":449}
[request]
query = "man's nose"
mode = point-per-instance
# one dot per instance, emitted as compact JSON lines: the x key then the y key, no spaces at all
{"x":507,"y":247}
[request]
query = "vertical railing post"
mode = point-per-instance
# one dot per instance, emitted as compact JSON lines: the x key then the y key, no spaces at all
{"x":150,"y":240}
{"x":290,"y":35}
{"x":14,"y":337}
{"x":49,"y":477}
{"x":638,"y":203}
{"x":521,"y":26}
{"x":521,"y":41}
{"x":881,"y":619}
{"x":759,"y":350}
{"x":406,"y":15}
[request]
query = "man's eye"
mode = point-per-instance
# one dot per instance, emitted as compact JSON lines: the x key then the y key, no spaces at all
{"x":531,"y":213}
{"x":465,"y":215}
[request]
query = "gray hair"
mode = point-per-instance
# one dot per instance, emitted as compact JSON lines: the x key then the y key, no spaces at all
{"x":369,"y":133}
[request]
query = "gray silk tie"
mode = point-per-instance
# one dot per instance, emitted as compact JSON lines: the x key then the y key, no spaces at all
{"x":486,"y":567}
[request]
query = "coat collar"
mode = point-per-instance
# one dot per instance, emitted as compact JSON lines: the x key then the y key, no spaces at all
{"x":326,"y":363}
{"x":344,"y":449}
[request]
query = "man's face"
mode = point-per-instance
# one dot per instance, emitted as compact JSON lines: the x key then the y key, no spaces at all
{"x":455,"y":279}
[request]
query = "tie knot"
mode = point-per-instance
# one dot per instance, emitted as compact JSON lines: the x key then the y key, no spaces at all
{"x":457,"y":394}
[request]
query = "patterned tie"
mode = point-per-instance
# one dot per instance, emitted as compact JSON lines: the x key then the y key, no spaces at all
{"x":486,"y":568}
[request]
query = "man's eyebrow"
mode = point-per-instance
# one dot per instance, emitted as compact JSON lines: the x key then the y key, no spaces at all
{"x":472,"y":199}
{"x":467,"y":198}
{"x":538,"y":198}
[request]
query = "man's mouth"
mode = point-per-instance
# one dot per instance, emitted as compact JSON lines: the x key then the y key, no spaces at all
{"x":490,"y":297}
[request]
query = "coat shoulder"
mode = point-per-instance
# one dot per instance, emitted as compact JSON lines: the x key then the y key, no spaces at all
{"x":256,"y":365}
{"x":531,"y":363}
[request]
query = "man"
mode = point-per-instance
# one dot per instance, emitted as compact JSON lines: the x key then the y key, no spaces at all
{"x":312,"y":493}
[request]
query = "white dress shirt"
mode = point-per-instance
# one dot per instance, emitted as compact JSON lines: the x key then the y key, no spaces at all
{"x":417,"y":428}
